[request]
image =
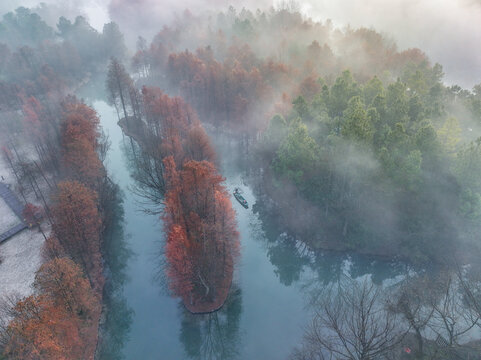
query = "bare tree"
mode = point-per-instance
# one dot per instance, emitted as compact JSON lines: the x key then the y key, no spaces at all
{"x":452,"y":317}
{"x":470,"y":285}
{"x":352,"y":322}
{"x":411,"y":302}
{"x":441,"y":311}
{"x":147,"y":172}
{"x":118,"y":85}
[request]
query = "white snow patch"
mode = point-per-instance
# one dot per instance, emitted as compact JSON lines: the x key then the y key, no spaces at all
{"x":6,"y":174}
{"x":21,"y":257}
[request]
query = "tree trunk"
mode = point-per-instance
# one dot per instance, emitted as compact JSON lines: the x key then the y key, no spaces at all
{"x":121,"y":96}
{"x":205,"y":285}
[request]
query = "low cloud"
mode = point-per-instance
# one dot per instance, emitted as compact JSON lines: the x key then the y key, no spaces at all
{"x":448,"y":31}
{"x":51,"y":10}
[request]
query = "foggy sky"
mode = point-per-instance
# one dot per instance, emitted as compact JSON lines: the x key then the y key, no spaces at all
{"x":449,"y":31}
{"x":95,"y":10}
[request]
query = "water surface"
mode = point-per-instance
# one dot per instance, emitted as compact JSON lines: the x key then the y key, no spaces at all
{"x":266,"y":312}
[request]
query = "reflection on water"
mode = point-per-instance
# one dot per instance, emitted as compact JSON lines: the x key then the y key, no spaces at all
{"x":145,"y":175}
{"x":116,"y":248}
{"x":266,"y":311}
{"x":203,"y":336}
{"x":215,"y":335}
{"x":289,"y":263}
{"x":118,"y":314}
{"x":291,"y":258}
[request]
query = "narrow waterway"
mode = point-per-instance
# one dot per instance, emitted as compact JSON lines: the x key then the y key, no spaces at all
{"x":267,"y":310}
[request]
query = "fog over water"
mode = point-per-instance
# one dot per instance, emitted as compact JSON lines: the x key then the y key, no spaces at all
{"x":261,"y":175}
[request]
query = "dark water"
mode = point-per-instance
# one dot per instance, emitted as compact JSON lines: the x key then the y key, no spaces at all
{"x":267,"y":310}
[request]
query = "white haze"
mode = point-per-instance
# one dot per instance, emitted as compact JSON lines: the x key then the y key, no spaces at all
{"x":50,"y":10}
{"x":449,"y":31}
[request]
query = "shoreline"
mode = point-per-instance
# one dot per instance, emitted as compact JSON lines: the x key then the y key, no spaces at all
{"x":201,"y":308}
{"x":204,"y":308}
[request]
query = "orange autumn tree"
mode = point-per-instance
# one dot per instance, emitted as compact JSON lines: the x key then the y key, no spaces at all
{"x":79,"y":143}
{"x":32,"y":214}
{"x":202,"y":241}
{"x":56,"y":324}
{"x":65,"y":284}
{"x":180,"y":262}
{"x":198,"y":146}
{"x":82,"y":162}
{"x":175,"y":128}
{"x":180,"y":268}
{"x":41,"y":330}
{"x":169,"y":121}
{"x":32,"y":110}
{"x":168,"y":127}
{"x":222,"y":93}
{"x":79,"y":121}
{"x":77,"y":226}
{"x":167,"y":115}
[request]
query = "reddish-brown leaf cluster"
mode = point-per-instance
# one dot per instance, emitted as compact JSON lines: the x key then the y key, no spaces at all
{"x":231,"y":85}
{"x":77,"y":225}
{"x":32,"y":214}
{"x":61,"y":320}
{"x":76,"y":218}
{"x":202,"y":239}
{"x":175,"y":124}
{"x":32,"y":110}
{"x":79,"y":144}
{"x":220,"y":92}
{"x":56,"y":324}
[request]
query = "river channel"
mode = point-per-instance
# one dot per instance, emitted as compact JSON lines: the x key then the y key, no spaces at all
{"x":275,"y":278}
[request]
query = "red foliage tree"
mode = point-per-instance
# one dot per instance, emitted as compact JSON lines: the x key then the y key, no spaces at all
{"x":77,"y":225}
{"x":170,"y":121}
{"x":81,"y":162}
{"x":202,"y":240}
{"x":180,"y":270}
{"x":309,"y":87}
{"x":221,"y":92}
{"x":198,"y":146}
{"x":79,"y":121}
{"x":41,"y":330}
{"x":60,"y":322}
{"x":63,"y":281}
{"x":32,"y":214}
{"x":167,"y":116}
{"x":79,"y":144}
{"x":32,"y":110}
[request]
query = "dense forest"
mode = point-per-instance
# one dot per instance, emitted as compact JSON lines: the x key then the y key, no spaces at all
{"x":367,"y":140}
{"x":345,"y":144}
{"x":55,"y":148}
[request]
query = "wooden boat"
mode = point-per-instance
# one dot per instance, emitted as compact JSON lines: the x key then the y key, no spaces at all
{"x":240,"y":198}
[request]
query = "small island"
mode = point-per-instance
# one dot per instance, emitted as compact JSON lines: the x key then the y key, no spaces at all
{"x":199,"y":221}
{"x":141,"y":143}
